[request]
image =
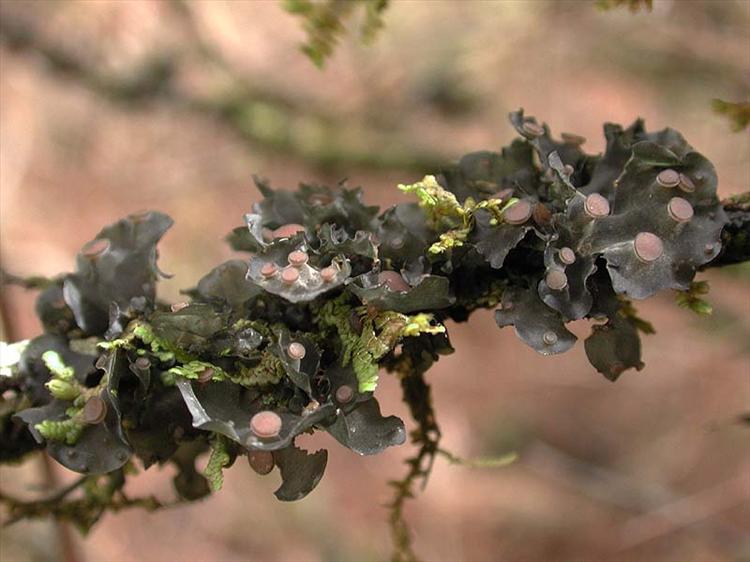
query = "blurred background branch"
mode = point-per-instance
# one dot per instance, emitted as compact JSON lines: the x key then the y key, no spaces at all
{"x":262,"y":118}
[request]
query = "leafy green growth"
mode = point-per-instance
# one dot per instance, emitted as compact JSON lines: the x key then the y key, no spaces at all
{"x":454,"y":221}
{"x":737,"y":113}
{"x":367,"y":337}
{"x":194,"y":369}
{"x":633,"y":5}
{"x":325,"y":23}
{"x":692,"y":299}
{"x":628,"y":310}
{"x":57,"y":367}
{"x":219,"y":458}
{"x":63,"y":384}
{"x":65,"y":431}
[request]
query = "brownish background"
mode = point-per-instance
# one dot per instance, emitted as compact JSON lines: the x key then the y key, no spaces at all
{"x":654,"y":468}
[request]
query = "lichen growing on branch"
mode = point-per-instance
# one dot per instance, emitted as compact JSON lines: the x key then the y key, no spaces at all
{"x":292,"y":339}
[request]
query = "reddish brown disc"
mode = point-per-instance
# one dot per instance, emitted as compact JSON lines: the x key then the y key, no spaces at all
{"x":542,"y":215}
{"x":668,"y":178}
{"x":298,"y":258}
{"x":344,"y":394}
{"x":686,"y":184}
{"x":261,"y":461}
{"x":95,"y":410}
{"x":570,"y":138}
{"x":268,"y":270}
{"x":289,"y":275}
{"x":567,"y":255}
{"x":287,"y":230}
{"x":518,"y":213}
{"x":205,"y":375}
{"x":142,"y":363}
{"x":596,"y":206}
{"x":296,"y":350}
{"x":266,"y":424}
{"x":393,"y":281}
{"x":95,"y":248}
{"x":139,"y":216}
{"x":549,"y":338}
{"x":533,"y":129}
{"x":319,"y":199}
{"x":648,"y":247}
{"x":556,"y":280}
{"x":680,"y":209}
{"x":176,"y":307}
{"x":328,"y":274}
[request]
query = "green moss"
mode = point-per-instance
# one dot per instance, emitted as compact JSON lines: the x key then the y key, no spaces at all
{"x":64,"y":431}
{"x":692,"y":298}
{"x":57,"y":367}
{"x":216,"y":462}
{"x":270,"y":370}
{"x":380,"y":334}
{"x":450,"y":218}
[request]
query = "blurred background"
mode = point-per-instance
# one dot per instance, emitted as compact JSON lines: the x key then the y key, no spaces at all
{"x":111,"y":107}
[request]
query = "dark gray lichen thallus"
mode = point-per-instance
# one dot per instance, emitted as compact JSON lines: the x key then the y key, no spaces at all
{"x":358,"y":423}
{"x":612,"y":347}
{"x":101,"y":447}
{"x":286,"y":271}
{"x":569,"y":155}
{"x":223,"y":407}
{"x":116,"y":266}
{"x":300,"y":357}
{"x":535,"y":323}
{"x":403,"y":234}
{"x":564,"y":285}
{"x":666,"y":222}
{"x":388,"y":290}
{"x":495,"y":239}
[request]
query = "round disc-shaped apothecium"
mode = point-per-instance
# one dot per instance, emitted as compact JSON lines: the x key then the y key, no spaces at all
{"x":532,"y":129}
{"x":266,"y":424}
{"x":344,"y":394}
{"x":648,"y":246}
{"x":680,"y":209}
{"x":296,"y":350}
{"x":260,"y":461}
{"x":596,"y":206}
{"x":142,"y":363}
{"x":567,"y":255}
{"x":268,"y":270}
{"x":206,"y":375}
{"x":290,"y":275}
{"x":95,"y":410}
{"x":298,"y":258}
{"x":556,"y":280}
{"x":549,"y":338}
{"x":668,"y":178}
{"x":95,"y":248}
{"x":393,"y":281}
{"x":328,"y":274}
{"x":570,"y":138}
{"x":686,"y":184}
{"x":287,"y":230}
{"x":518,"y":213}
